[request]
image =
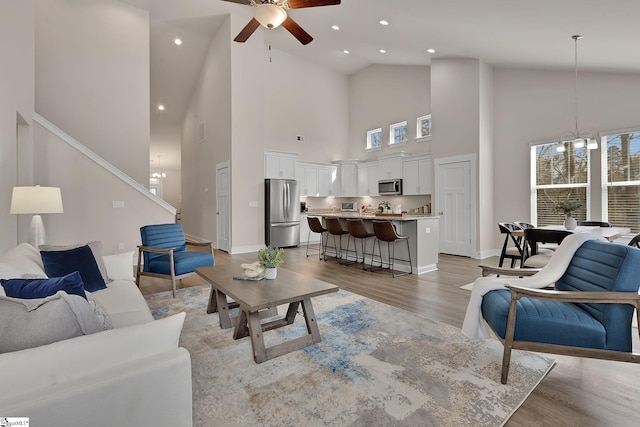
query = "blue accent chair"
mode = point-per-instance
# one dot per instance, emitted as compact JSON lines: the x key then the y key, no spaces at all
{"x":164,"y":248}
{"x":589,"y":312}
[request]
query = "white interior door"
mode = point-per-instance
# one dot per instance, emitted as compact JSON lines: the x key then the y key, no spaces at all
{"x":455,"y":205}
{"x":223,"y":190}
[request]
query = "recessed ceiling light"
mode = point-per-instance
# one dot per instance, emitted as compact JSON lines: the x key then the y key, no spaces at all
{"x":161,"y":107}
{"x":383,"y":22}
{"x":178,"y":41}
{"x":346,"y":51}
{"x":383,"y":51}
{"x":335,"y":27}
{"x":431,"y":50}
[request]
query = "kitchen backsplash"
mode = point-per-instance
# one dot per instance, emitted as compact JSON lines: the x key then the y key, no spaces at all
{"x":406,"y":203}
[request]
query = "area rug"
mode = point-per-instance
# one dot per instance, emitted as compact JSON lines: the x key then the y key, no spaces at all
{"x":376,"y":366}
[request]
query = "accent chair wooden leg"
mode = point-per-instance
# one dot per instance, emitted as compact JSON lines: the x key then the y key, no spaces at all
{"x":508,"y":338}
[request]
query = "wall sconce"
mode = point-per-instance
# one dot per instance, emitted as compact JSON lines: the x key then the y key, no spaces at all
{"x":36,"y":200}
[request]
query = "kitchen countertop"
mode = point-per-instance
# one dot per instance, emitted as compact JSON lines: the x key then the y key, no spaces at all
{"x":371,"y":216}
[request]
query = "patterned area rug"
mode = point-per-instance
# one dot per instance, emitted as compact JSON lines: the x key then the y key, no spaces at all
{"x":376,"y":366}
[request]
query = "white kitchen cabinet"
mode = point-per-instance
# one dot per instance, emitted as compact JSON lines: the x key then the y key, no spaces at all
{"x":368,"y":179}
{"x":417,"y":175}
{"x":279,"y":165}
{"x":347,"y":177}
{"x":307,"y":176}
{"x":390,"y":166}
{"x":327,"y":180}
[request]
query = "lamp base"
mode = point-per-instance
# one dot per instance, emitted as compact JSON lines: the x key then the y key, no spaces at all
{"x":37,"y":235}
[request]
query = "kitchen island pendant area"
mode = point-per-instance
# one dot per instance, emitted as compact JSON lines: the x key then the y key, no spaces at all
{"x":421,"y":230}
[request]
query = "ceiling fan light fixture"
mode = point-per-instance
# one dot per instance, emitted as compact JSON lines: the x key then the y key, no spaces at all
{"x":270,"y":15}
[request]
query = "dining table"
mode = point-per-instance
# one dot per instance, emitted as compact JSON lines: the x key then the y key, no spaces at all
{"x":609,"y":233}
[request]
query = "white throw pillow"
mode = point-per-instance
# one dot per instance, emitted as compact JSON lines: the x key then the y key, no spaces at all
{"x":19,"y":261}
{"x":119,"y":266}
{"x":26,"y":370}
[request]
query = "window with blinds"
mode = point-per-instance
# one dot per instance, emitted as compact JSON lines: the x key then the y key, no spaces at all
{"x":621,"y":191}
{"x":559,"y":176}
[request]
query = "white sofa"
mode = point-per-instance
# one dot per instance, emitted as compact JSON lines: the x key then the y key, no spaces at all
{"x":134,"y":374}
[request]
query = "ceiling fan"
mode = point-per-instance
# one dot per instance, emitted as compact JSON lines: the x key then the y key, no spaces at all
{"x":273,"y":13}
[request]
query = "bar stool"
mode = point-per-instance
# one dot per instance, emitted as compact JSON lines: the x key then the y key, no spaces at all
{"x":385,"y":231}
{"x":357,"y":230}
{"x":335,"y":229}
{"x":316,"y":226}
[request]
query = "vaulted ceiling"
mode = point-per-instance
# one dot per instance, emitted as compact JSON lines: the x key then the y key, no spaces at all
{"x":502,"y":33}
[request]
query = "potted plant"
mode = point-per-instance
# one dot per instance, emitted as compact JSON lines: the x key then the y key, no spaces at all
{"x":270,"y":259}
{"x":568,"y":207}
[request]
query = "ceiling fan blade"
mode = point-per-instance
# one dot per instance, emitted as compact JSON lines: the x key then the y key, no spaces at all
{"x":297,"y":31}
{"x":239,"y":1}
{"x":247,"y":31}
{"x":299,"y":4}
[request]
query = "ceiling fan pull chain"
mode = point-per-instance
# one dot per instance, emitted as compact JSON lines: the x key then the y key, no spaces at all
{"x":270,"y":52}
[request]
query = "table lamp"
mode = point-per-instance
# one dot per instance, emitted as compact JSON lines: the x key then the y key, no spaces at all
{"x":36,"y":200}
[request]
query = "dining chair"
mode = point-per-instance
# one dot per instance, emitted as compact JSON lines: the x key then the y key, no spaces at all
{"x":514,"y":251}
{"x":635,"y":242}
{"x":533,"y":254}
{"x":594,"y":224}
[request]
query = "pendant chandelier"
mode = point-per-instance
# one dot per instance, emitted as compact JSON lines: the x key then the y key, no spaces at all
{"x":580,"y":138}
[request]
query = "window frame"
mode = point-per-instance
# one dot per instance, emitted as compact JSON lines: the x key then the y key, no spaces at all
{"x":420,"y":137}
{"x":392,"y":134}
{"x":534,"y":186}
{"x":604,"y":171}
{"x":370,"y":133}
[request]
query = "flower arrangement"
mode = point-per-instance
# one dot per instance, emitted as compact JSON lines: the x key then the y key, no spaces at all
{"x":271,"y":257}
{"x":567,"y":207}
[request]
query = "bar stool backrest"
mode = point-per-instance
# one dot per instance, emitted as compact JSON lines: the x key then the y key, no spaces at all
{"x":357,"y":228}
{"x":334,"y":227}
{"x":315,"y":225}
{"x":385,"y":231}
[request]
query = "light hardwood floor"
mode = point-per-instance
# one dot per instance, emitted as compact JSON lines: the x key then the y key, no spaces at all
{"x":577,"y":392}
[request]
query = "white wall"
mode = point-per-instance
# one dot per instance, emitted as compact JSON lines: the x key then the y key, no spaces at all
{"x":88,"y":191}
{"x":251,"y":104}
{"x":92,"y":77}
{"x":534,"y":105}
{"x":16,"y":106}
{"x":381,"y":95}
{"x":210,"y":104}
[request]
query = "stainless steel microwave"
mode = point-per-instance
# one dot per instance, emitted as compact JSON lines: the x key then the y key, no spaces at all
{"x":390,"y":186}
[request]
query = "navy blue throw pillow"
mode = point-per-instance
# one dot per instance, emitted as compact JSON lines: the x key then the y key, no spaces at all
{"x":42,"y":288}
{"x":61,"y":263}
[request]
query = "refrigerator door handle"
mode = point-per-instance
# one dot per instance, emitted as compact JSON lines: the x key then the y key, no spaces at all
{"x":284,"y":224}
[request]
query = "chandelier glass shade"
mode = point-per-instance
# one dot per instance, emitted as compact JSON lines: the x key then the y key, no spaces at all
{"x":580,"y":138}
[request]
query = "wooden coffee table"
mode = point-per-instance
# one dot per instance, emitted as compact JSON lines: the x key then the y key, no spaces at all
{"x":255,"y":296}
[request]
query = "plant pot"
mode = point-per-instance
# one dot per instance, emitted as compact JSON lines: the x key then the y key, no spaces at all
{"x":570,"y":223}
{"x":270,"y":272}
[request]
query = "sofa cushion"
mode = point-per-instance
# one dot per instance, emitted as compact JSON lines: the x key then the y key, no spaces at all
{"x":96,"y":249}
{"x":19,"y":261}
{"x":124,"y":303}
{"x":60,"y":263}
{"x":119,"y":266}
{"x":42,"y":288}
{"x":26,"y":323}
{"x":59,"y":362}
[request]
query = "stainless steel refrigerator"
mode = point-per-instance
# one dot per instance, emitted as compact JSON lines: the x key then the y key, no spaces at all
{"x":282,"y":212}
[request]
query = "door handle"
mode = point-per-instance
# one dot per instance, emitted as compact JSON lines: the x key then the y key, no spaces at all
{"x":440,"y":213}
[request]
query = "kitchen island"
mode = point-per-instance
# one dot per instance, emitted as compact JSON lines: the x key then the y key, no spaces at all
{"x":422,"y":231}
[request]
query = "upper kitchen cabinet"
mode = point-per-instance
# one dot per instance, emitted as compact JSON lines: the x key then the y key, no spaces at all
{"x":390,"y":166}
{"x":347,"y":178}
{"x":417,"y":175}
{"x":328,"y":180}
{"x":280,"y":165}
{"x":368,"y":179}
{"x":307,"y":176}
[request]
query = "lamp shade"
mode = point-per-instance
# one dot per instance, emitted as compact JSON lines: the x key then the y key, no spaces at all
{"x":36,"y":200}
